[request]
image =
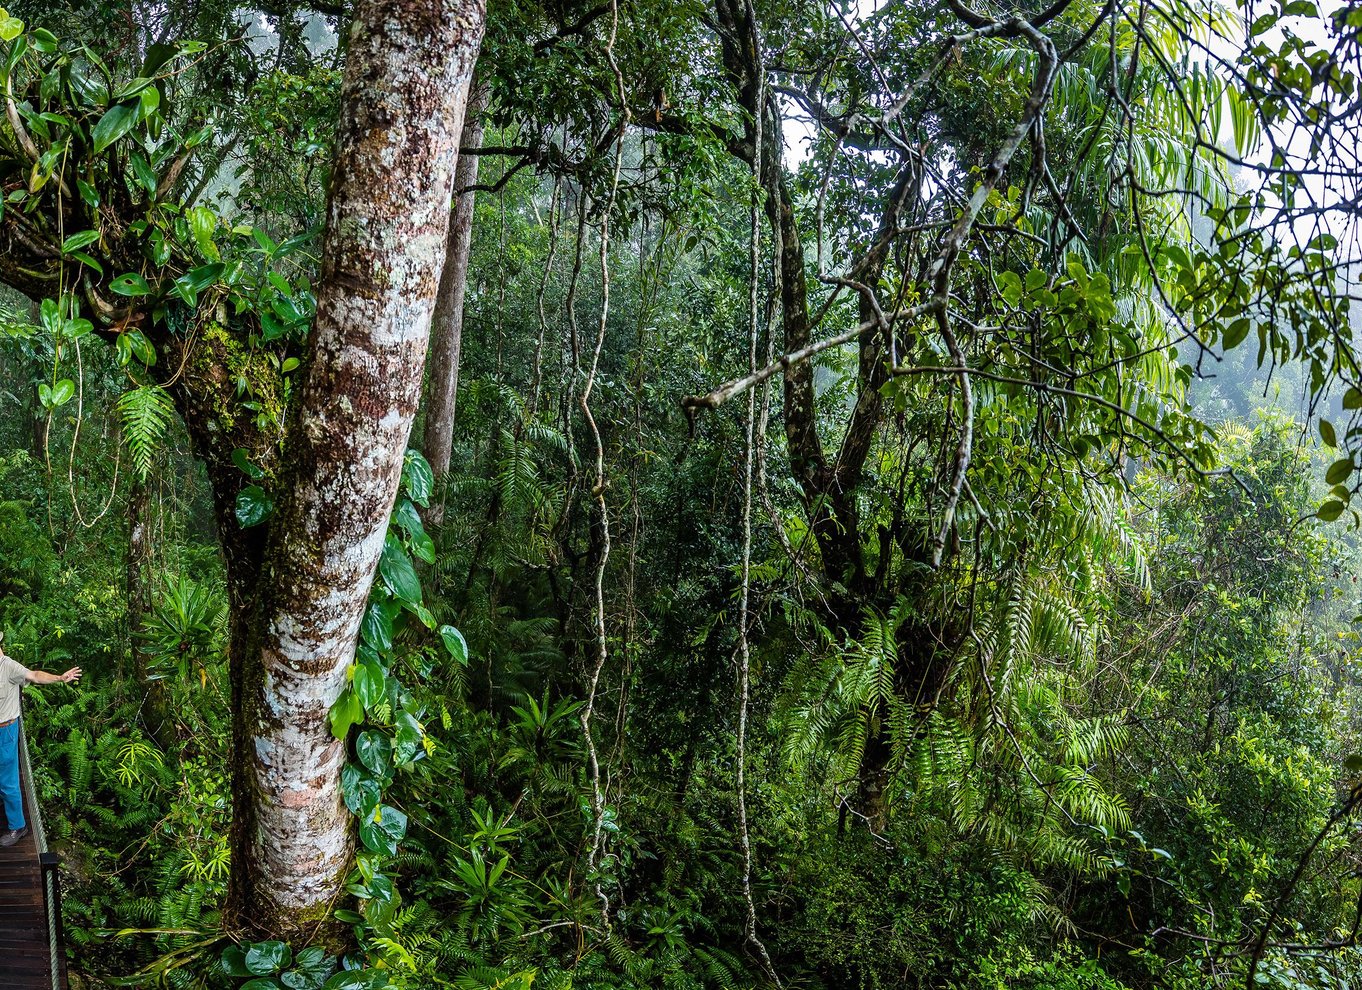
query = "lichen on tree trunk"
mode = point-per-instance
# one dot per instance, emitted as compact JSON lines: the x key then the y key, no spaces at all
{"x":407,"y":67}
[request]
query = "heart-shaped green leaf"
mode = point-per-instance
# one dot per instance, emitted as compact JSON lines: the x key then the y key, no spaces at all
{"x":253,"y":506}
{"x":382,"y":831}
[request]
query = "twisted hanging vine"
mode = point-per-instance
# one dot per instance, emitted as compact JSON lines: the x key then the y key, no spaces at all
{"x":598,"y":493}
{"x":744,"y":609}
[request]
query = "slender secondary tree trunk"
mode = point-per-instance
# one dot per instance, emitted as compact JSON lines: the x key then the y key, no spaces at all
{"x":36,"y":369}
{"x":135,"y":575}
{"x":446,"y":331}
{"x":407,"y":69}
{"x":155,"y":711}
{"x":37,"y":418}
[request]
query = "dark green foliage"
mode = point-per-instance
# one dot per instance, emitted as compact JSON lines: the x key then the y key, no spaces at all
{"x":1105,"y":742}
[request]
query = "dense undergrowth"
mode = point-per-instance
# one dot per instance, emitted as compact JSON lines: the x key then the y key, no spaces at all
{"x":1100,"y":730}
{"x":1170,"y":754}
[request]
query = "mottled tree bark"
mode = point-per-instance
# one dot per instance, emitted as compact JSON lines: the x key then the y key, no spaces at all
{"x":446,"y":330}
{"x":407,"y":70}
{"x":297,"y":587}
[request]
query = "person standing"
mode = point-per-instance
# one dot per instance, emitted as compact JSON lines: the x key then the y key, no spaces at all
{"x":13,"y":676}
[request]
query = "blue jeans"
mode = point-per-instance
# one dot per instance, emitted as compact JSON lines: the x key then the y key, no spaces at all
{"x":10,"y":795}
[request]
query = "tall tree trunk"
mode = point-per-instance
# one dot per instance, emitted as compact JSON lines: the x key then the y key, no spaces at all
{"x":155,"y":710}
{"x":402,"y":99}
{"x":446,"y":330}
{"x":828,"y":493}
{"x":206,"y":387}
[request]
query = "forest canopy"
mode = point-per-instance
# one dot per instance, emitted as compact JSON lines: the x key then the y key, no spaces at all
{"x":688,"y":494}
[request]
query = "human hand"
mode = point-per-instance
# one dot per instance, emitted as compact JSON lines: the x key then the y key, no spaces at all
{"x":72,"y":675}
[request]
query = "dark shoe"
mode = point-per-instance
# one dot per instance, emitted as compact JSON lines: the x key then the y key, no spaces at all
{"x":12,"y":836}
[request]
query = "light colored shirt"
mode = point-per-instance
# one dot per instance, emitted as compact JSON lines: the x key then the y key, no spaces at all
{"x":13,"y":676}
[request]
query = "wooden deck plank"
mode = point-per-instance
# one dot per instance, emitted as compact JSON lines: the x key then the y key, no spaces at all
{"x":25,"y":962}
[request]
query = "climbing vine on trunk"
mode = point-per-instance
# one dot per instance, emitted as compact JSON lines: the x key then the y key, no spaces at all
{"x":299,"y":404}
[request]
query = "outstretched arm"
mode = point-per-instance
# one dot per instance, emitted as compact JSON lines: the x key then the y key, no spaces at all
{"x":43,"y":677}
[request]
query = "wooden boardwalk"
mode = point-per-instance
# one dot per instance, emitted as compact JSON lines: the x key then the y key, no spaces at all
{"x":25,"y":958}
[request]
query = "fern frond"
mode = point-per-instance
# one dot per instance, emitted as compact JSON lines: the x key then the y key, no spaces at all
{"x":144,"y":412}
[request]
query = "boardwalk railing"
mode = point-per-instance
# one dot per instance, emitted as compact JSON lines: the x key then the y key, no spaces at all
{"x":49,"y":862}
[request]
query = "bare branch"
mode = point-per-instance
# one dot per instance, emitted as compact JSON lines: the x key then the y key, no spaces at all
{"x":720,"y":395}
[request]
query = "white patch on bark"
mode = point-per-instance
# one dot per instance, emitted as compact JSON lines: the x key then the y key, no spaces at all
{"x":406,"y":71}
